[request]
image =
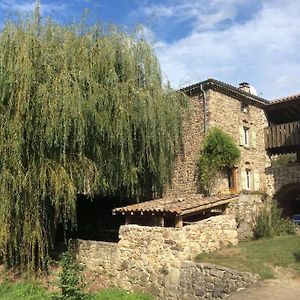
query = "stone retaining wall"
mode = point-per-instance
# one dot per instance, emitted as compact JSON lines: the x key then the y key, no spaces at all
{"x":151,"y":258}
{"x":96,"y":256}
{"x":207,"y":281}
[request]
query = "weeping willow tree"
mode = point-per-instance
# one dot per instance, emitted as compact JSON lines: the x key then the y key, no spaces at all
{"x":82,"y":110}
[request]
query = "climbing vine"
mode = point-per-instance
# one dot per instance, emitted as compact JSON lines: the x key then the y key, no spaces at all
{"x":219,"y":151}
{"x":82,"y":110}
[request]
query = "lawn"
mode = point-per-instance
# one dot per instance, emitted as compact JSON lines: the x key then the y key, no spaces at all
{"x":259,"y":256}
{"x":34,"y":291}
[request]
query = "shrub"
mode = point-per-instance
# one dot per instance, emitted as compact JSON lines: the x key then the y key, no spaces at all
{"x":71,"y":280}
{"x":270,"y":223}
{"x":219,"y":151}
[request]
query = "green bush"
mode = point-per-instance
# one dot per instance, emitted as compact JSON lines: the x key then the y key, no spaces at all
{"x":270,"y":223}
{"x":219,"y":151}
{"x":282,"y":160}
{"x":71,"y":280}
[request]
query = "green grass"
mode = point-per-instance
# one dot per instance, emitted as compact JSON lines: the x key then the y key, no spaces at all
{"x":259,"y":256}
{"x":34,"y":291}
{"x":26,"y":291}
{"x":112,"y":294}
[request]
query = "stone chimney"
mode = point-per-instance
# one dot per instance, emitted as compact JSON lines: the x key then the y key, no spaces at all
{"x":244,"y":86}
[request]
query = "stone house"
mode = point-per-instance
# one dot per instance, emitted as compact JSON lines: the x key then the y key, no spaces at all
{"x":158,"y":257}
{"x":260,"y":128}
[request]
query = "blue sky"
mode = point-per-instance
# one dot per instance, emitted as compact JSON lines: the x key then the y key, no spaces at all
{"x":230,"y":40}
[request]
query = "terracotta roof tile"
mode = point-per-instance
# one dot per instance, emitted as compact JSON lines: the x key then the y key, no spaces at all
{"x":177,"y":206}
{"x":285,"y":99}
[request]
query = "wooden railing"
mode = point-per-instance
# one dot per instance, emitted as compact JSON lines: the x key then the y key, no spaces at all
{"x":283,"y":135}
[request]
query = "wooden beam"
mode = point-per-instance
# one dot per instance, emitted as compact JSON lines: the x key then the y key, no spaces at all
{"x":198,"y":209}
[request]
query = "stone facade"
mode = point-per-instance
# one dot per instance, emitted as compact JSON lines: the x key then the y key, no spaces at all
{"x":226,"y":113}
{"x":184,"y":180}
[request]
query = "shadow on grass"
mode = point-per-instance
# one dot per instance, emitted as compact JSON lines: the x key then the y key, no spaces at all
{"x":297,"y":256}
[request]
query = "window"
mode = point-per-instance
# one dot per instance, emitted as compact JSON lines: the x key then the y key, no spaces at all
{"x":248,"y":179}
{"x":246,"y":136}
{"x":244,"y":108}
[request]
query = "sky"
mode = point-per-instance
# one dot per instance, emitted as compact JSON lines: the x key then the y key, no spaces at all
{"x":230,"y":40}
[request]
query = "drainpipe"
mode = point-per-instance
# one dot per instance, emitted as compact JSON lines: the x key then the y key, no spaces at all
{"x":204,"y":109}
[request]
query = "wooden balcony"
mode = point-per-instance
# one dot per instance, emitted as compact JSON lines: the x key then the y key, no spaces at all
{"x":283,"y":138}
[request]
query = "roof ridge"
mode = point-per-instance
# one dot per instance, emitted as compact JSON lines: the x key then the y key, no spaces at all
{"x":225,"y":86}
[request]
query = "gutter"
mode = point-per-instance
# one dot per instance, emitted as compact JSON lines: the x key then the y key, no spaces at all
{"x":204,"y":109}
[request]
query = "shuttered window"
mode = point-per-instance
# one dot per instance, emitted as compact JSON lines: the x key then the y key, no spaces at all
{"x":246,"y":179}
{"x":245,"y":136}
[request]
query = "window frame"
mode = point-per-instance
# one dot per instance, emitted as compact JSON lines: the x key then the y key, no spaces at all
{"x":246,"y":137}
{"x":248,"y":179}
{"x":245,"y":108}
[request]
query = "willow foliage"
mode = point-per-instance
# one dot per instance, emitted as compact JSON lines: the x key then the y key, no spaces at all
{"x":82,"y":110}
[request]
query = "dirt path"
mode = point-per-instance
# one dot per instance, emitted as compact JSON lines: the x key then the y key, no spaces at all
{"x":270,"y":290}
{"x":285,"y":287}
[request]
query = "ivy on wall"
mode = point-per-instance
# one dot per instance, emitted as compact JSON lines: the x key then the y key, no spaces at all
{"x":219,"y":151}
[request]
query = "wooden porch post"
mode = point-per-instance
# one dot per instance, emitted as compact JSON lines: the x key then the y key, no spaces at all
{"x":178,"y":222}
{"x":128,"y":219}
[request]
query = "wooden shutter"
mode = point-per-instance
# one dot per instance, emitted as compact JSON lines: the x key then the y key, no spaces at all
{"x":253,"y":139}
{"x":256,"y":180}
{"x":243,"y":180}
{"x":242,"y":138}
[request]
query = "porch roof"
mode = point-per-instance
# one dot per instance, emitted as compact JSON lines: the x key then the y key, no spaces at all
{"x":176,"y":206}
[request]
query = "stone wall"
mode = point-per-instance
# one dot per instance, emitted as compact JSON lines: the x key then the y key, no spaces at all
{"x":278,"y":177}
{"x":97,"y":256}
{"x":150,"y":258}
{"x":207,"y":281}
{"x":245,"y":210}
{"x":225,"y":112}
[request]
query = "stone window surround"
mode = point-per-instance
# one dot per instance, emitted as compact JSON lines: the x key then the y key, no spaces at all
{"x":248,"y":179}
{"x":246,"y":131}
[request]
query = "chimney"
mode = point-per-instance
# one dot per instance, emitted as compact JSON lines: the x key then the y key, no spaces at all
{"x":244,"y":86}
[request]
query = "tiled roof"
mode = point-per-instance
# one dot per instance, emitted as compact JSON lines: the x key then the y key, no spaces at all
{"x":177,"y":206}
{"x":225,"y":86}
{"x":234,"y":90}
{"x":285,"y":99}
